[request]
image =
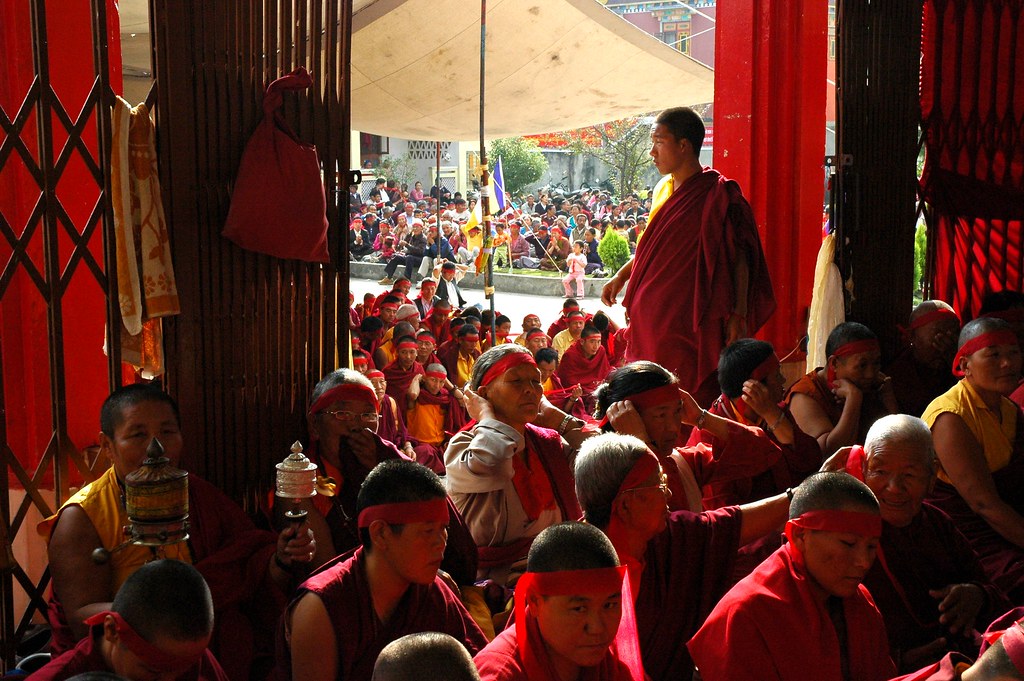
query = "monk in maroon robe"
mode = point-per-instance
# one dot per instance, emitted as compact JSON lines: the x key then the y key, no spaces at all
{"x":399,"y":374}
{"x":345,"y":615}
{"x":698,"y":280}
{"x":1001,"y":659}
{"x":679,"y":563}
{"x":921,"y":372}
{"x":803,"y":613}
{"x":585,"y":364}
{"x":562,"y":323}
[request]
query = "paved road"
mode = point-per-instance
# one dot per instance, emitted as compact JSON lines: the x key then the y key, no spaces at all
{"x":515,"y":305}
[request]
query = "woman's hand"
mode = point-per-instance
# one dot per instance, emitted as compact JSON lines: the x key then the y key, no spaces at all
{"x":478,"y":406}
{"x":625,"y":419}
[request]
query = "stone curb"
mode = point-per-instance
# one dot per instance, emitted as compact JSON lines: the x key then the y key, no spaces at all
{"x":510,"y":283}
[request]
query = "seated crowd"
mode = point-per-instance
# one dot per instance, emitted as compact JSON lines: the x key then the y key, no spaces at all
{"x":858,"y":526}
{"x":413,"y":237}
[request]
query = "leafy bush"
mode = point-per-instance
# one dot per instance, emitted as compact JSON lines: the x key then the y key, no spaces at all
{"x":522,"y":162}
{"x":614,"y":251}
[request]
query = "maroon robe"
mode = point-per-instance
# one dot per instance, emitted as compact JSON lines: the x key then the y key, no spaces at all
{"x":930,"y":553}
{"x":589,"y":373}
{"x":442,"y":331}
{"x":359,"y":636}
{"x":1003,"y":562}
{"x":559,"y":394}
{"x":811,"y":385}
{"x":560,"y":324}
{"x":684,"y":572}
{"x":233,"y":556}
{"x":339,"y":511}
{"x":949,"y":668}
{"x":399,"y":380}
{"x":681,"y":290}
{"x":86,"y":656}
{"x":449,"y":355}
{"x":771,"y":626}
{"x":798,"y":460}
{"x":916,"y":385}
{"x":502,"y":661}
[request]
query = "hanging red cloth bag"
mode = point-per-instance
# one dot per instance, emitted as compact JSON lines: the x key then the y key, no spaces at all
{"x":278,"y":205}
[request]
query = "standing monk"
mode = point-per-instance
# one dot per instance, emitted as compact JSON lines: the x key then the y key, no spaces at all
{"x":700,"y":257}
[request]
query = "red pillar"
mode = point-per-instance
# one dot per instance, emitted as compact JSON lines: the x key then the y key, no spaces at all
{"x":769,"y":117}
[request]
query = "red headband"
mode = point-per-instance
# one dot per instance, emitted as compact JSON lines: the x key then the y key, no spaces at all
{"x":649,"y":398}
{"x":375,"y":373}
{"x":934,"y":316}
{"x":437,"y":374}
{"x":360,"y":359}
{"x":643,"y":468}
{"x":851,"y":348}
{"x":765,"y":368}
{"x":847,"y":522}
{"x":389,"y":306}
{"x":406,"y":345}
{"x":593,"y":333}
{"x":574,"y":315}
{"x":345,"y":391}
{"x":401,"y":513}
{"x":143,"y":649}
{"x":577,"y":582}
{"x":425,"y":334}
{"x":535,"y":332}
{"x":985,"y":340}
{"x":855,"y":462}
{"x":471,"y":336}
{"x":506,"y":363}
{"x":1013,"y":643}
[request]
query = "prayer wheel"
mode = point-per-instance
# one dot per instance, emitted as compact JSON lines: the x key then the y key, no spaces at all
{"x":156,"y":498}
{"x":296,"y":479}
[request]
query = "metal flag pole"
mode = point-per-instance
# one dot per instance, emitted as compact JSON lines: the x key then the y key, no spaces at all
{"x":485,"y":191}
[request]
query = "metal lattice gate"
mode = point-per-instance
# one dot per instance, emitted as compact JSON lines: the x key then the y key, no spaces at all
{"x":54,"y":220}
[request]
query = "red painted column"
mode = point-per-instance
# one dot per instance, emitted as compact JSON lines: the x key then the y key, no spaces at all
{"x":769,"y":117}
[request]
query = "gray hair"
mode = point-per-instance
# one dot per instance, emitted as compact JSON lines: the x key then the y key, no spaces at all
{"x":436,"y":368}
{"x":900,"y":428}
{"x":336,"y":378}
{"x":602,"y":464}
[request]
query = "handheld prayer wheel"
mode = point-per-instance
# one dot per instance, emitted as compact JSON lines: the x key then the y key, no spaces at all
{"x":296,"y":480}
{"x":156,"y":498}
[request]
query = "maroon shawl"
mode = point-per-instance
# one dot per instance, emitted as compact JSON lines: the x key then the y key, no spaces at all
{"x":575,"y":367}
{"x":399,"y":380}
{"x":680,"y":290}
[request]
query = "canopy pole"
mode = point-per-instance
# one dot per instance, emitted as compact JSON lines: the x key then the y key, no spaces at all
{"x":485,"y":193}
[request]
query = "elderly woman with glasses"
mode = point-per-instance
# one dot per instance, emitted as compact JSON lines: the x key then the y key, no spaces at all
{"x":509,"y":477}
{"x":643,"y":399}
{"x":679,"y":562}
{"x":345,"y":446}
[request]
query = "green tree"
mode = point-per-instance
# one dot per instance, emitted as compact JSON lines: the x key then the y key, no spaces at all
{"x":522,"y":162}
{"x":920,"y":255}
{"x":614,"y":250}
{"x":622,"y":145}
{"x":402,"y":169}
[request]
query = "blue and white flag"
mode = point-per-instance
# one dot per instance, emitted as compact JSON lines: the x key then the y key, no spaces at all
{"x":499,"y":186}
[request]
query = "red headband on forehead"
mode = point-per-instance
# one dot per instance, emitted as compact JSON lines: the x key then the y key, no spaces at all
{"x":985,"y":340}
{"x":437,"y":374}
{"x":360,"y":359}
{"x":1013,"y":643}
{"x":389,"y":306}
{"x":148,"y":653}
{"x":407,"y":345}
{"x":934,"y":316}
{"x":509,"y":361}
{"x":650,"y":398}
{"x":765,"y":368}
{"x":432,"y":511}
{"x":375,"y":373}
{"x":644,"y":467}
{"x":848,"y":522}
{"x":345,"y":391}
{"x":851,"y":348}
{"x":576,"y":583}
{"x":591,"y":334}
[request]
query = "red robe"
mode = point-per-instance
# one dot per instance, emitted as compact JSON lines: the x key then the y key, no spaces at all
{"x":1003,"y":562}
{"x":558,"y":396}
{"x":930,"y":553}
{"x":681,"y":289}
{"x":589,"y":373}
{"x":771,"y":626}
{"x":359,"y":635}
{"x":399,"y":380}
{"x":86,"y":657}
{"x":684,"y":572}
{"x":233,"y":557}
{"x":949,"y":668}
{"x":442,"y":331}
{"x":798,"y":460}
{"x":502,"y":661}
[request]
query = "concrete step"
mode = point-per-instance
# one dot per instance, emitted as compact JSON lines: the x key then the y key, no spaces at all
{"x":511,"y":283}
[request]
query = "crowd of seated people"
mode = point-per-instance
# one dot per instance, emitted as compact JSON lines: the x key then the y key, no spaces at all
{"x":416,"y":235}
{"x":837,"y":529}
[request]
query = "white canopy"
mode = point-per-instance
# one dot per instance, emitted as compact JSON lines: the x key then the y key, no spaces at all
{"x":551,"y":65}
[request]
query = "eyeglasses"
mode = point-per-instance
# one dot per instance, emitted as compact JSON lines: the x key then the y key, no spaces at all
{"x":368,"y":417}
{"x":662,"y":485}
